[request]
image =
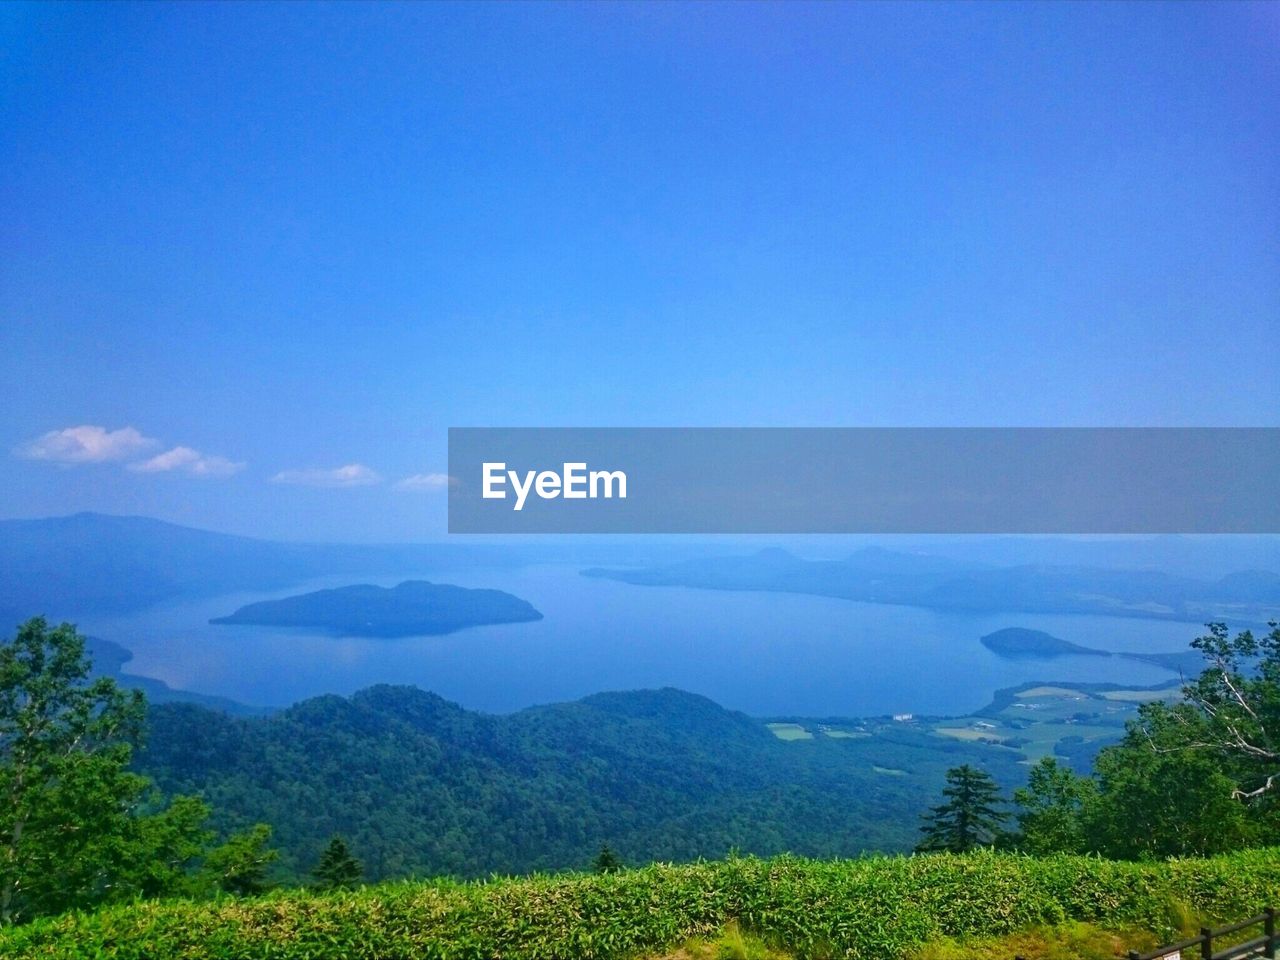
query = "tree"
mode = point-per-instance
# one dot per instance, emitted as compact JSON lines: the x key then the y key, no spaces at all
{"x":968,"y":818}
{"x":77,"y":828}
{"x":65,"y":791}
{"x":606,"y":861}
{"x":337,"y":868}
{"x":1232,"y":709}
{"x":239,"y":866}
{"x":1052,"y":809}
{"x":1200,"y":776}
{"x":1156,"y":797}
{"x":162,"y":850}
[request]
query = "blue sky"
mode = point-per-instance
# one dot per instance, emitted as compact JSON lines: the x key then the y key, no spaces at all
{"x":275,"y":241}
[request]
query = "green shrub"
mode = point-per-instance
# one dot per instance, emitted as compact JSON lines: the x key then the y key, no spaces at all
{"x":868,"y":909}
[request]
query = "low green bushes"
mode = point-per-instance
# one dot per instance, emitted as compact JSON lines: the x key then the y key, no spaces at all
{"x":875,"y":909}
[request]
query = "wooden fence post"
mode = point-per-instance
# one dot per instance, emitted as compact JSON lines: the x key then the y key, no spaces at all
{"x":1269,"y":942}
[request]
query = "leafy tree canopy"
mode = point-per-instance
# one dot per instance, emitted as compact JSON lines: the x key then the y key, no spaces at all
{"x":77,"y":827}
{"x":1196,"y":777}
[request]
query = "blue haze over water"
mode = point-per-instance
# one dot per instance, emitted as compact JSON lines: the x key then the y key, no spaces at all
{"x":762,"y":653}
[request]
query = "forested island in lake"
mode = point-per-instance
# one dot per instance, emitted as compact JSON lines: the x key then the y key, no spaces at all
{"x":413,"y":608}
{"x":1019,"y":642}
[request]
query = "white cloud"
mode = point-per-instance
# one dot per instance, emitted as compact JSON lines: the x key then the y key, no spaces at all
{"x":86,"y":444}
{"x":351,"y":475}
{"x":188,"y":461}
{"x":426,"y":481}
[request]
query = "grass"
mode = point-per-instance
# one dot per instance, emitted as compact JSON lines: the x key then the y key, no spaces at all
{"x":1033,"y":722}
{"x":1139,"y":696}
{"x":937,"y":907}
{"x":789,"y":731}
{"x":1035,"y":692}
{"x":731,"y":944}
{"x":968,"y":733}
{"x":1039,"y":718}
{"x":1068,"y":941}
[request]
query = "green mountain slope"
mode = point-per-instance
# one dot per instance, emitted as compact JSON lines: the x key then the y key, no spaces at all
{"x":421,"y":786}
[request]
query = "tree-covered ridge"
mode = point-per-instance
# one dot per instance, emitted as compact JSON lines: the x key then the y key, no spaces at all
{"x":413,"y":608}
{"x":420,"y":786}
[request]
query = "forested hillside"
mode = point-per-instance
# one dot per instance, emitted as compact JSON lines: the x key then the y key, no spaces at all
{"x":421,"y":786}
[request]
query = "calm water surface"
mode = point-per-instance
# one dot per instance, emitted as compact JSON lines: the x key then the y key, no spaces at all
{"x":763,"y":653}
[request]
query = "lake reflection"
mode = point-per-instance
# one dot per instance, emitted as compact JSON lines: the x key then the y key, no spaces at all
{"x":763,"y":653}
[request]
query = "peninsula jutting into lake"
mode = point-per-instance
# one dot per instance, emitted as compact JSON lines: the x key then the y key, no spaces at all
{"x":414,"y":608}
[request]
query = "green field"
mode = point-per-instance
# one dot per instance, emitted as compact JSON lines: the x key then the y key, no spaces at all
{"x":1037,"y":719}
{"x":789,"y":731}
{"x":983,"y":734}
{"x":1028,"y":722}
{"x":1136,"y":696}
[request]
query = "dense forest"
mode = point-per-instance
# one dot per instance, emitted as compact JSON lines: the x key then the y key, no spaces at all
{"x":395,"y":782}
{"x":420,"y":786}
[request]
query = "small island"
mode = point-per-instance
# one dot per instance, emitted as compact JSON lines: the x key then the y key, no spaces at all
{"x":1021,"y":642}
{"x":1016,"y":643}
{"x":414,"y":608}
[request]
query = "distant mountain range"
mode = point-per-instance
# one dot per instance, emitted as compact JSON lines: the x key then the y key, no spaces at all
{"x":876,"y":575}
{"x":66,"y":566}
{"x":63,"y":567}
{"x":413,"y":608}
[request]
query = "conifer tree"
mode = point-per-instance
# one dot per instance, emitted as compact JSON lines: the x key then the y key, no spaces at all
{"x":606,"y":861}
{"x":968,"y":818}
{"x":337,"y":868}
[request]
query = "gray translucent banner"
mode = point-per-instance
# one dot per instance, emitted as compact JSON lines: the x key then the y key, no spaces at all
{"x":864,"y":480}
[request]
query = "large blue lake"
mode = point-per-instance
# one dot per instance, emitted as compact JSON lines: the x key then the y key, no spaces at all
{"x":763,"y":653}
